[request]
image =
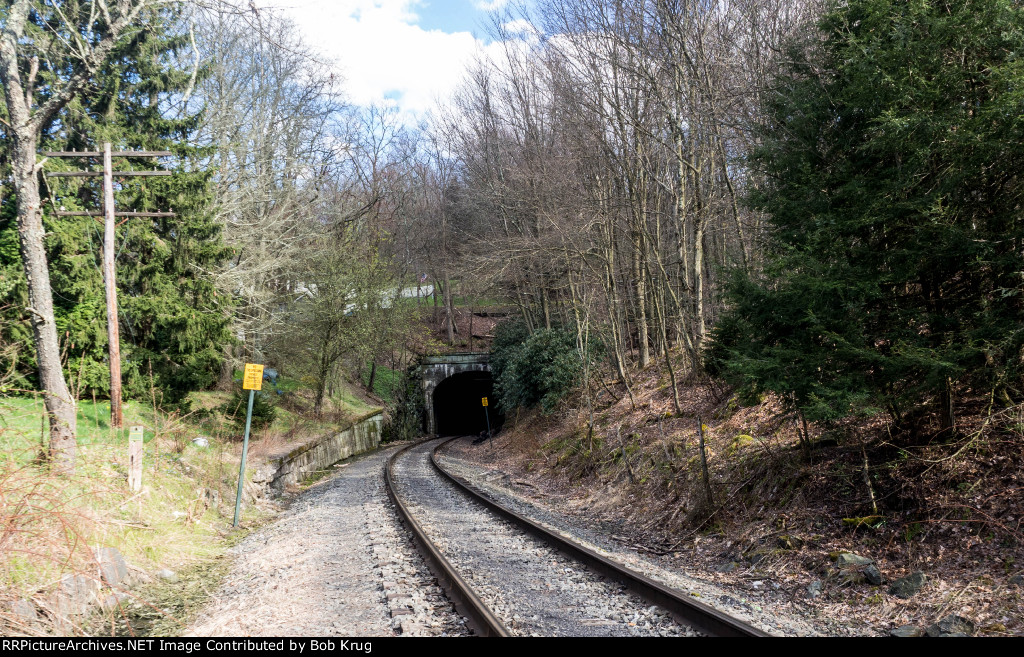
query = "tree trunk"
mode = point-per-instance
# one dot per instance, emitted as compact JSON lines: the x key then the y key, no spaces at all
{"x":318,"y":403}
{"x":947,"y":419}
{"x":546,"y":307}
{"x":663,"y":324}
{"x":867,"y":478}
{"x":449,"y":310}
{"x":643,"y":339}
{"x":805,"y":436}
{"x":698,"y":272}
{"x":60,"y":407}
{"x":373,"y":375}
{"x":323,"y":374}
{"x":225,"y":381}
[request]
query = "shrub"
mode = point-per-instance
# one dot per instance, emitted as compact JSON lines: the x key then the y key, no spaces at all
{"x":538,"y":368}
{"x":263,"y":412}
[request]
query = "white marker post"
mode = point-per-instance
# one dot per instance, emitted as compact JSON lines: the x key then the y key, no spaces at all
{"x":252,"y":381}
{"x":135,"y":459}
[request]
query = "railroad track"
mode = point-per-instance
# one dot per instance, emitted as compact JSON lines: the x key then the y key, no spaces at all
{"x":509,"y":575}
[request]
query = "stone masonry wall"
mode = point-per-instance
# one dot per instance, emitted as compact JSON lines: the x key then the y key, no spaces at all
{"x":321,"y":454}
{"x":438,"y":368}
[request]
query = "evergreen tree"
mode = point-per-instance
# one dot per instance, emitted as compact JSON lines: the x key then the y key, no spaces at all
{"x":891,"y":168}
{"x":172,"y":322}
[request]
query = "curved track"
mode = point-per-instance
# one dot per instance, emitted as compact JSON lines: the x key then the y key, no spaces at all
{"x":483,"y":621}
{"x":706,"y":618}
{"x":535,"y":588}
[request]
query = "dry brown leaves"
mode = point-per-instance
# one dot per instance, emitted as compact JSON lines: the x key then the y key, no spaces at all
{"x":951,"y":508}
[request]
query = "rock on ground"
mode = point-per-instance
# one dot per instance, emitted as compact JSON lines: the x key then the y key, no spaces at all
{"x":907,"y":586}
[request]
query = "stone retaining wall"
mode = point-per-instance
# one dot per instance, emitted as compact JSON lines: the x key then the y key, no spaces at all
{"x":323,"y":453}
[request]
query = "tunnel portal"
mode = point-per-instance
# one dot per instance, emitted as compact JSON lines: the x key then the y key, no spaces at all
{"x":465,"y":378}
{"x":458,"y":407}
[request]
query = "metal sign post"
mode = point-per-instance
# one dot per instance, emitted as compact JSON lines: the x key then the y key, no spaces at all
{"x":487,"y":415}
{"x":252,"y":381}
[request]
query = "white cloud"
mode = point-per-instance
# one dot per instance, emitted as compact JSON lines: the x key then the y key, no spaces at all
{"x":380,"y":50}
{"x":520,"y":26}
{"x":490,"y":5}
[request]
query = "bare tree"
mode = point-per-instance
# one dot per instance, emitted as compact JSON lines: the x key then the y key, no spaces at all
{"x":275,"y":118}
{"x":338,"y":311}
{"x":604,"y":152}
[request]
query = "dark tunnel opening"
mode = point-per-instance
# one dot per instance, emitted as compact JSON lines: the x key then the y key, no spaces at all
{"x":458,"y":406}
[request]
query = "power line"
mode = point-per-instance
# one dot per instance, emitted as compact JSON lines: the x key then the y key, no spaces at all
{"x":109,"y":236}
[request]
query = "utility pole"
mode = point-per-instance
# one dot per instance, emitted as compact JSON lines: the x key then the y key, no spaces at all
{"x":110,"y":287}
{"x":109,"y":238}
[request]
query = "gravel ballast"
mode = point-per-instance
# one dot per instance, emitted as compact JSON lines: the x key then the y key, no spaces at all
{"x":500,"y":488}
{"x":531,"y":587}
{"x":338,"y":562}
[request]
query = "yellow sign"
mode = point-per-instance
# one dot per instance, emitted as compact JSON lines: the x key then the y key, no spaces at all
{"x":484,"y":401}
{"x":253,"y":379}
{"x":135,"y":433}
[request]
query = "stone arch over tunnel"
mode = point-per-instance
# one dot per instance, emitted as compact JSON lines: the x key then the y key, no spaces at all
{"x":458,"y":408}
{"x":435,"y":370}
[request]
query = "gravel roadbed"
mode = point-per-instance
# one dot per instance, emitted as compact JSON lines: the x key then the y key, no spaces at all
{"x":336,"y":563}
{"x":500,"y":487}
{"x":530,"y":586}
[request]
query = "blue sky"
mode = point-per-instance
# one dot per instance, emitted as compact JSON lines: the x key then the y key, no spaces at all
{"x":452,"y":16}
{"x":407,"y":52}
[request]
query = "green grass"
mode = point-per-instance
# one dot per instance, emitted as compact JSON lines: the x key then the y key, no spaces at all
{"x":55,"y":518}
{"x":22,"y":428}
{"x":286,"y":385}
{"x":350,"y":404}
{"x":385,"y":383}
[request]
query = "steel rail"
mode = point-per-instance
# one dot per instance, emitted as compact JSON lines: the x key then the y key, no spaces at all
{"x":692,"y":612}
{"x":484,"y":622}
